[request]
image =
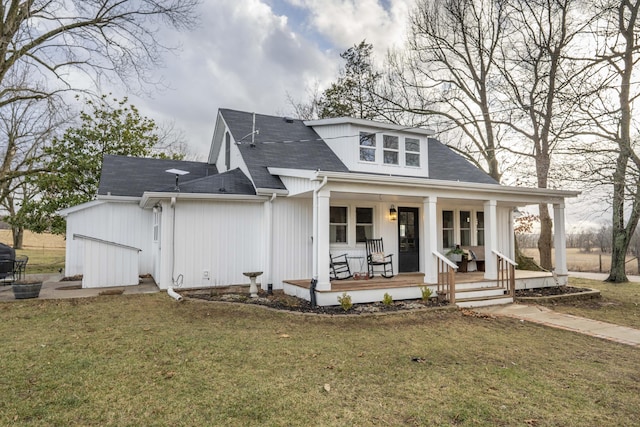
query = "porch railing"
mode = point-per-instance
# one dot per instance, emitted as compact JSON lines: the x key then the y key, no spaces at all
{"x":506,"y":273}
{"x":446,"y":277}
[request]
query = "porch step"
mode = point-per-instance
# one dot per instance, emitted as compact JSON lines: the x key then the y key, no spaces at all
{"x":483,"y":301}
{"x":479,"y":292}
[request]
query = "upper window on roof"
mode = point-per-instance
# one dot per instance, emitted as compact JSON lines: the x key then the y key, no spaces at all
{"x":412,"y":152}
{"x":367,"y":147}
{"x":391,"y":149}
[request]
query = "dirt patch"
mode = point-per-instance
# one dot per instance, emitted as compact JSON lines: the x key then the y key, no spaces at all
{"x":69,"y":287}
{"x":76,"y":278}
{"x":280,"y":301}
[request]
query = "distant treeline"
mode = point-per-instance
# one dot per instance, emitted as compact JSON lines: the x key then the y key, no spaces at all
{"x":585,"y":240}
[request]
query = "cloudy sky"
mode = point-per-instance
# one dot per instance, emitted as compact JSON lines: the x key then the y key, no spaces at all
{"x":249,"y":54}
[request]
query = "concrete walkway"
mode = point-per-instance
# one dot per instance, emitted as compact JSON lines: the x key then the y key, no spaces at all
{"x":548,"y":317}
{"x":53,"y":288}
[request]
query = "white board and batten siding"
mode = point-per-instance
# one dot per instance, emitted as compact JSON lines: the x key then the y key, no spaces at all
{"x":119,"y":222}
{"x":108,"y":264}
{"x":292,"y":248}
{"x":215,"y":242}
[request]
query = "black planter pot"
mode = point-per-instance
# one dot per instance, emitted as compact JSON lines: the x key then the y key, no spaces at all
{"x":24,"y":290}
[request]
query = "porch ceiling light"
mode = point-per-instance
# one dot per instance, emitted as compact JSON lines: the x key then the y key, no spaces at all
{"x":393,"y":213}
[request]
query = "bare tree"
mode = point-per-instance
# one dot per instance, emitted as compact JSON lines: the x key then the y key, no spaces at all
{"x":55,"y":41}
{"x":608,"y":99}
{"x":48,"y":47}
{"x":25,"y":128}
{"x":447,"y":72}
{"x":537,"y":76}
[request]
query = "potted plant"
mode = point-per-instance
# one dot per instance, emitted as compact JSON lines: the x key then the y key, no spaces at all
{"x":23,"y":289}
{"x":455,"y":254}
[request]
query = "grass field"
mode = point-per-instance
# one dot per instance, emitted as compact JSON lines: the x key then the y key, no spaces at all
{"x":593,"y":261}
{"x":46,"y":252}
{"x":149,"y":360}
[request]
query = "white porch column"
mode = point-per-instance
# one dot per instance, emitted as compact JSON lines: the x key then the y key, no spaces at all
{"x":430,"y":238}
{"x":560,"y":238}
{"x":490,"y":240}
{"x":322,"y":237}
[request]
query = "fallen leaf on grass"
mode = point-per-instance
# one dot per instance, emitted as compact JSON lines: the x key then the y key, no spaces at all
{"x":169,"y":374}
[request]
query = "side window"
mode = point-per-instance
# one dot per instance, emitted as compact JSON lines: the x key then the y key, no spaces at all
{"x":367,"y":147}
{"x":156,"y":224}
{"x":412,"y":152}
{"x":391,"y":148}
{"x":338,"y":224}
{"x":465,"y":228}
{"x":447,"y":229}
{"x":364,"y":224}
{"x":480,"y":228}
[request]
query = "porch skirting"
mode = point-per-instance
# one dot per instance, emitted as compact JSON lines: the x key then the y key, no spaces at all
{"x":408,"y":286}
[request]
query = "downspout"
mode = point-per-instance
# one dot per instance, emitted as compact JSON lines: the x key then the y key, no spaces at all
{"x":270,"y":245}
{"x":170,"y":291}
{"x":315,"y":239}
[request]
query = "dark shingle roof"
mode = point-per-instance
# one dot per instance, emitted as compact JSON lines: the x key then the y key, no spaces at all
{"x":448,"y":165}
{"x":230,"y":182}
{"x":280,"y":143}
{"x":132,"y":176}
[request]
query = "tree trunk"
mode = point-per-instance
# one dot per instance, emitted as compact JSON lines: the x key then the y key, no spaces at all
{"x":18,"y":237}
{"x":545,"y":242}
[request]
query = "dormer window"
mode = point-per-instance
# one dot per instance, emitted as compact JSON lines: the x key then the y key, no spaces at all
{"x":391,"y":148}
{"x":367,"y":147}
{"x":412,"y":152}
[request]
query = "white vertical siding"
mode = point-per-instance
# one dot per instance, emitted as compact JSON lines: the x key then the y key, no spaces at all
{"x":108,"y":265}
{"x":224,"y":238}
{"x":118,"y":222}
{"x":292,"y":244}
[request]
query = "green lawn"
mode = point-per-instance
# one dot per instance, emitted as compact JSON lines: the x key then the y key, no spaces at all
{"x":149,"y":360}
{"x":43,"y":260}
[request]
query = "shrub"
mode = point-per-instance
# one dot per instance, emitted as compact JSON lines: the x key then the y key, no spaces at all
{"x":426,"y":293}
{"x":345,"y":301}
{"x":386,"y":299}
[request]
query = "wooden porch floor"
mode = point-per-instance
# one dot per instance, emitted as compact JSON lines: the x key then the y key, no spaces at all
{"x":404,"y":280}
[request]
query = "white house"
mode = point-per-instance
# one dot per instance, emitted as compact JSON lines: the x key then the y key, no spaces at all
{"x":279,"y":195}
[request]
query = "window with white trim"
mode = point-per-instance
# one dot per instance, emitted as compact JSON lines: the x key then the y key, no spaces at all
{"x":156,"y":224}
{"x":364,"y":224}
{"x":480,"y":228}
{"x":391,"y":148}
{"x":338,"y":221}
{"x":447,"y":229}
{"x":367,"y":147}
{"x":465,"y":228}
{"x":412,"y":152}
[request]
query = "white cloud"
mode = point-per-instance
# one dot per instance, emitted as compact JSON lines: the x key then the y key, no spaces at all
{"x":243,"y":56}
{"x":347,"y":22}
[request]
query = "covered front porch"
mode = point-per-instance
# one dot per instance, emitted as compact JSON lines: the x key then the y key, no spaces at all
{"x":468,"y":289}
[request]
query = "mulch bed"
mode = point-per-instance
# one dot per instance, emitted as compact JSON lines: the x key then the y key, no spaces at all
{"x":280,"y":301}
{"x":549,"y":292}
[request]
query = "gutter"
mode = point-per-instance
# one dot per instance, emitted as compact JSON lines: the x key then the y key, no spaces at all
{"x":438,"y":184}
